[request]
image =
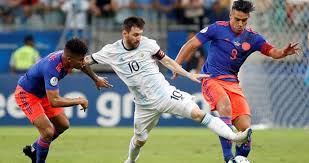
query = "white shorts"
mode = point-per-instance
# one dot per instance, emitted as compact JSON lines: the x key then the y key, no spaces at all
{"x":179,"y":103}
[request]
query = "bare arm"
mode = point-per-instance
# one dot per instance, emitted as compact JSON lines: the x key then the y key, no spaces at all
{"x":175,"y":67}
{"x":290,"y":49}
{"x":187,"y":49}
{"x":99,"y":81}
{"x":87,"y":70}
{"x":57,"y":101}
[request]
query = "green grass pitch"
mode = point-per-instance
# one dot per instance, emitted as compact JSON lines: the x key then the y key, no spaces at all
{"x":165,"y":145}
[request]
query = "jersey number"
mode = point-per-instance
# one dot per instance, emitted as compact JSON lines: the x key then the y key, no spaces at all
{"x":133,"y":66}
{"x":176,"y":95}
{"x":234,"y":54}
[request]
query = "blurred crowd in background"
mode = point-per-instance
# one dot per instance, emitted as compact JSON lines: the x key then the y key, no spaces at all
{"x":79,"y":13}
{"x":37,"y":13}
{"x":90,"y":19}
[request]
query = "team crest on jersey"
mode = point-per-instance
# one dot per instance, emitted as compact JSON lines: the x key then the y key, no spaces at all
{"x":245,"y":46}
{"x":142,"y":55}
{"x":204,"y":30}
{"x":54,"y":81}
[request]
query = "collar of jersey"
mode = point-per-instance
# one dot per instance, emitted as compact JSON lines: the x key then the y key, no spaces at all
{"x":125,"y":47}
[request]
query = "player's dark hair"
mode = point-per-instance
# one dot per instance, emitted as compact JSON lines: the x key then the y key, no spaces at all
{"x":133,"y":21}
{"x":76,"y":47}
{"x":243,"y":6}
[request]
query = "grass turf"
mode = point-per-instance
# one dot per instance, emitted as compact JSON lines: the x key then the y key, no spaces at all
{"x":165,"y":145}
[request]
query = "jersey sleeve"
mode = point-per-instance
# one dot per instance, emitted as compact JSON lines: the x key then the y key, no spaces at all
{"x":101,"y":56}
{"x":159,"y":55}
{"x":155,"y":50}
{"x":207,"y":34}
{"x":51,"y":77}
{"x":262,"y":45}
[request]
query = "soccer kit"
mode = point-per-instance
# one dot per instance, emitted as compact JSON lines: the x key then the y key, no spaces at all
{"x":30,"y":93}
{"x":153,"y":95}
{"x":227,"y":52}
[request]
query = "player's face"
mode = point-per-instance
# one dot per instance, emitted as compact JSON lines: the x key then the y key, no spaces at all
{"x":238,"y":21}
{"x":133,"y":37}
{"x":77,"y":62}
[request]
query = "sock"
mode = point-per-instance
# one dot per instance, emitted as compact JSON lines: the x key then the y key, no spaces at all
{"x":133,"y":150}
{"x":56,"y":134}
{"x":218,"y":126}
{"x":42,"y":147}
{"x":225,"y":143}
{"x":243,"y":149}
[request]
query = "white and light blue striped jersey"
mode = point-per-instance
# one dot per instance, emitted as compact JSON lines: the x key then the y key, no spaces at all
{"x":138,"y":69}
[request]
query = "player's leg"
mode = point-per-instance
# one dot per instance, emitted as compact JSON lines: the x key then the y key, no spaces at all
{"x":185,"y":106}
{"x":61,"y":124}
{"x":42,"y":144}
{"x":241,"y":116}
{"x":57,"y":117}
{"x":242,"y":122}
{"x":32,"y":108}
{"x":216,"y":96}
{"x":144,"y":121}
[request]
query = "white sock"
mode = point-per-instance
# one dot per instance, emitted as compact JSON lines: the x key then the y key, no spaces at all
{"x":216,"y":125}
{"x":133,"y":150}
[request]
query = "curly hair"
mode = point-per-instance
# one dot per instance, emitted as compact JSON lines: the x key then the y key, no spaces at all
{"x":76,"y":47}
{"x":243,"y":6}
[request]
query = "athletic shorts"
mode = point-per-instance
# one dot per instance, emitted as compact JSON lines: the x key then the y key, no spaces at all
{"x":33,"y":106}
{"x":179,"y":103}
{"x":214,"y":89}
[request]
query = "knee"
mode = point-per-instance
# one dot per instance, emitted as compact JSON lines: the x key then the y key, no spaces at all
{"x":48,"y":133}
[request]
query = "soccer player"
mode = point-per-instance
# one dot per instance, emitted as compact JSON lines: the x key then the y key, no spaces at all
{"x":231,"y":44}
{"x":134,"y":60}
{"x":37,"y":94}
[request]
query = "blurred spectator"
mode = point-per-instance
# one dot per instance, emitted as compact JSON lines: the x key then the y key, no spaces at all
{"x":30,"y":17}
{"x":53,"y":15}
{"x":9,"y":10}
{"x":103,"y":8}
{"x":104,"y":12}
{"x":24,"y":57}
{"x":193,"y":12}
{"x":145,"y":9}
{"x":195,"y":61}
{"x":125,"y":8}
{"x":76,"y":18}
{"x":166,"y":7}
{"x":218,"y":12}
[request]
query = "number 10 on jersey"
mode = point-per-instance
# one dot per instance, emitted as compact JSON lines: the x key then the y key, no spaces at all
{"x":133,"y":66}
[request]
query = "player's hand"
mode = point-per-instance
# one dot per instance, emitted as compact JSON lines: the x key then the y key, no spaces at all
{"x":291,"y":49}
{"x":198,"y":77}
{"x":102,"y":82}
{"x":174,"y":75}
{"x":83,"y":103}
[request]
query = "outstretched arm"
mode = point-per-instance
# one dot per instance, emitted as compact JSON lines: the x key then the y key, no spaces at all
{"x":290,"y":49}
{"x":99,"y":81}
{"x":187,"y":49}
{"x":175,"y":67}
